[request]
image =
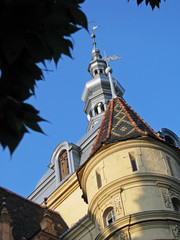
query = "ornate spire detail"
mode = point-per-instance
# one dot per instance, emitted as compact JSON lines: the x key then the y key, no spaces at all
{"x":97,"y":65}
{"x":98,"y":92}
{"x":95,"y":52}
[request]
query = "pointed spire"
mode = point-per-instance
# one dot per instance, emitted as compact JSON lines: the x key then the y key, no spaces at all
{"x":95,"y":52}
{"x":97,"y":65}
{"x":97,"y":92}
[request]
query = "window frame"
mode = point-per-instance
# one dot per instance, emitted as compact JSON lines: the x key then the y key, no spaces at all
{"x":109,"y":214}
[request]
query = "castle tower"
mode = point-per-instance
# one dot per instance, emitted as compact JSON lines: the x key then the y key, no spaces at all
{"x":121,"y":180}
{"x":131,"y":181}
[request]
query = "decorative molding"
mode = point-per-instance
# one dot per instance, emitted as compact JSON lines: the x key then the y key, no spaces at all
{"x":118,"y":205}
{"x":175,"y":231}
{"x":166,"y":197}
{"x":111,"y":190}
{"x":121,"y":236}
{"x":124,"y":236}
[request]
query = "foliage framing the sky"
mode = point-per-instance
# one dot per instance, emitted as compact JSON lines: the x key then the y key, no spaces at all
{"x":153,"y":3}
{"x":31,"y":31}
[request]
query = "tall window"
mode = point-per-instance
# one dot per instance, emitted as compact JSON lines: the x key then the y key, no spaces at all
{"x":132,"y":157}
{"x":98,"y":178}
{"x":176,"y":204}
{"x":108,"y":216}
{"x":63,"y":165}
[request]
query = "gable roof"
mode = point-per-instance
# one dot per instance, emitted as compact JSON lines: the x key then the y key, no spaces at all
{"x":121,"y":123}
{"x":26,"y":215}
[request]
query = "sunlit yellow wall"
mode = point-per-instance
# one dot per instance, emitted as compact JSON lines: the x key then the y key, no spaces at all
{"x":68,"y":202}
{"x":114,"y":164}
{"x":137,"y":197}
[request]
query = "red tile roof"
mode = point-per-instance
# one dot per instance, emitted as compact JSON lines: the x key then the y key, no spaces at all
{"x":121,"y":123}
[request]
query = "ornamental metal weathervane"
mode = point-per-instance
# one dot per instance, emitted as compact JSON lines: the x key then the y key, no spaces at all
{"x":109,"y":71}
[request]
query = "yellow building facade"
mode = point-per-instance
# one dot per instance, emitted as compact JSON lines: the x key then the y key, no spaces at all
{"x":121,"y":181}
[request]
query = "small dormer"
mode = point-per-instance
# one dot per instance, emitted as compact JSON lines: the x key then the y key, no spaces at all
{"x":169,"y":137}
{"x":64,"y":161}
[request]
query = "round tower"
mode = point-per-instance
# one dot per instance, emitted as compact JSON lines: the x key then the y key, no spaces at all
{"x":131,"y":180}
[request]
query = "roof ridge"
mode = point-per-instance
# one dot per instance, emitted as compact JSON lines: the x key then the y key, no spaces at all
{"x":99,"y":131}
{"x":146,"y":133}
{"x":110,"y":122}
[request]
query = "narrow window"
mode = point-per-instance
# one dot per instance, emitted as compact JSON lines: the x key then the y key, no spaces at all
{"x":108,"y":216}
{"x":176,"y":204}
{"x":96,"y":110}
{"x":102,"y":107}
{"x":133,"y":161}
{"x":170,"y":166}
{"x":63,"y":165}
{"x":90,"y":113}
{"x":98,"y":178}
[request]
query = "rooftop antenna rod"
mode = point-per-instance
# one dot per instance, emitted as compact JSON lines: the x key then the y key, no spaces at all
{"x":92,"y":29}
{"x":109,"y":71}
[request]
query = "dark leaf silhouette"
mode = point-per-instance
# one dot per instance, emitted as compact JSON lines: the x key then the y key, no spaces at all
{"x":31,"y":31}
{"x":153,"y":3}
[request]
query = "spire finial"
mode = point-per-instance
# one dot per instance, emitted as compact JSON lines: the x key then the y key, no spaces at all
{"x":109,"y":71}
{"x":92,"y":29}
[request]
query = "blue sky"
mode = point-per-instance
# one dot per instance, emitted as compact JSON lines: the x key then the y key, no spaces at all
{"x":149,"y":44}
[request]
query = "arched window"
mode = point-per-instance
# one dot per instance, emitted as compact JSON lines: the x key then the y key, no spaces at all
{"x":95,"y":72}
{"x":63,"y":164}
{"x":176,"y":204}
{"x":108,"y":216}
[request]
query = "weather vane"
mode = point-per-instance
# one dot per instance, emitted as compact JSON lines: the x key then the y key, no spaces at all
{"x":92,"y":29}
{"x":110,"y":58}
{"x":109,"y":71}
